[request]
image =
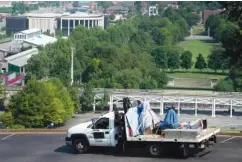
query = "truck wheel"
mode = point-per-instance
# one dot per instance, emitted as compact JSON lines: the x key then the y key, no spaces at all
{"x":81,"y":146}
{"x":154,"y":150}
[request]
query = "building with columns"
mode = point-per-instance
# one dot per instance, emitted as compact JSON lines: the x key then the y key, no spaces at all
{"x":64,"y":22}
{"x":46,"y":21}
{"x":68,"y":22}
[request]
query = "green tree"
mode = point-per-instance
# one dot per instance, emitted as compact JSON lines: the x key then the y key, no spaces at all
{"x":38,"y":66}
{"x":55,"y":112}
{"x":112,"y":17}
{"x":87,"y":98}
{"x":173,"y":59}
{"x":7,"y":119}
{"x":160,"y":56}
{"x":186,"y":60}
{"x":200,"y":62}
{"x":225,"y":85}
{"x":217,"y":60}
{"x":40,"y":103}
{"x":75,"y":4}
{"x":74,"y":96}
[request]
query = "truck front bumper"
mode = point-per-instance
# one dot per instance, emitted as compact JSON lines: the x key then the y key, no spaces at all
{"x":68,"y":141}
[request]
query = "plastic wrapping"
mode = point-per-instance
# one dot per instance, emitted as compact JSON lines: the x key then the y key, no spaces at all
{"x":139,"y":122}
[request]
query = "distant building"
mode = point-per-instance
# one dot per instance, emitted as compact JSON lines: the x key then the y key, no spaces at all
{"x":118,"y":9}
{"x":207,"y":13}
{"x":47,"y":22}
{"x":16,"y":63}
{"x":68,"y":22}
{"x":16,"y":24}
{"x":5,"y":3}
{"x":32,"y":37}
{"x":172,"y":4}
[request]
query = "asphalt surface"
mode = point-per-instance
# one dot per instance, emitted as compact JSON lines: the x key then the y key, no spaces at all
{"x":51,"y":148}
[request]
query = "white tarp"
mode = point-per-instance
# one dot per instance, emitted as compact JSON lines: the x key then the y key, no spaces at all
{"x":149,"y":118}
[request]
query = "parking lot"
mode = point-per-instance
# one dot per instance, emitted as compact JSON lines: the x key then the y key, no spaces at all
{"x":51,"y":148}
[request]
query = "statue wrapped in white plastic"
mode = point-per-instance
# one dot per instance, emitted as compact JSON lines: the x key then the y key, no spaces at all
{"x":144,"y":121}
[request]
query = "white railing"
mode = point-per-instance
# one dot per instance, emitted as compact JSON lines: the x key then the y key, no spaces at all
{"x":213,"y":103}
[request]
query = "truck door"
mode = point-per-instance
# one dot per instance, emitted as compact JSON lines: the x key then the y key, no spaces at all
{"x":101,"y":132}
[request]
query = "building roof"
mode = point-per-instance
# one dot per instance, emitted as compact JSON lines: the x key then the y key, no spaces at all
{"x":81,"y":15}
{"x":20,"y":59}
{"x":118,"y":7}
{"x":41,"y":40}
{"x":17,"y":17}
{"x":29,"y":31}
{"x":5,"y":46}
{"x":46,"y":15}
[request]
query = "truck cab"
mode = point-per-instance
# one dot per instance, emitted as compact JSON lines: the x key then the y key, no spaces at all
{"x":101,"y":131}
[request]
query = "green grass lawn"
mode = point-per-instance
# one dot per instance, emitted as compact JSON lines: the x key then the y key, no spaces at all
{"x":196,"y":47}
{"x":198,"y":30}
{"x":196,"y":75}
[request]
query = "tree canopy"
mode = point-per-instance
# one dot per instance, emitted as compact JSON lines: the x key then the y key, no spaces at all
{"x":39,"y":104}
{"x":120,"y":56}
{"x":227,"y":30}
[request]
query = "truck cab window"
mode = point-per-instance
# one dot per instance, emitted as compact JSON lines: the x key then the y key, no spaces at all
{"x":102,"y":123}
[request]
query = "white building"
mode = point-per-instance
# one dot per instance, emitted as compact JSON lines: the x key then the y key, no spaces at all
{"x":68,"y":22}
{"x":32,"y":37}
{"x":47,"y":22}
{"x":65,"y":22}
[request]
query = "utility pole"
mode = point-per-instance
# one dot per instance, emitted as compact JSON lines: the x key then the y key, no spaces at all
{"x":72,"y":65}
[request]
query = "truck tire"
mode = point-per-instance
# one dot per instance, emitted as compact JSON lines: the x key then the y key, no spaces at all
{"x":81,"y":146}
{"x":155,"y":150}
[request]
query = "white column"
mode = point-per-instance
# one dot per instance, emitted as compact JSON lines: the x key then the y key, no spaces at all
{"x":68,"y":27}
{"x":84,"y":23}
{"x":79,"y":22}
{"x":74,"y":24}
{"x":94,"y":104}
{"x":231,"y":108}
{"x":213,"y":108}
{"x":61,"y":24}
{"x":111,"y":103}
{"x":162,"y":105}
{"x":88,"y":24}
{"x":178,"y":107}
{"x":196,"y":107}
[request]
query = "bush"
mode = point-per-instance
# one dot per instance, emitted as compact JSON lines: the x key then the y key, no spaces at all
{"x":17,"y":126}
{"x":225,"y":85}
{"x":7,"y":119}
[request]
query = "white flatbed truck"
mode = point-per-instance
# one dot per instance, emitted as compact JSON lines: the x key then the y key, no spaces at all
{"x":107,"y":131}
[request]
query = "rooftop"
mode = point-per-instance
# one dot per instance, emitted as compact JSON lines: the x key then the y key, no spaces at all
{"x":41,"y":40}
{"x":29,"y":31}
{"x":81,"y":15}
{"x":47,"y":15}
{"x":20,"y":59}
{"x":5,"y":46}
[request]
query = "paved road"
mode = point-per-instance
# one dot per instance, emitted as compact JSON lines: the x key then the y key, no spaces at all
{"x":51,"y":148}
